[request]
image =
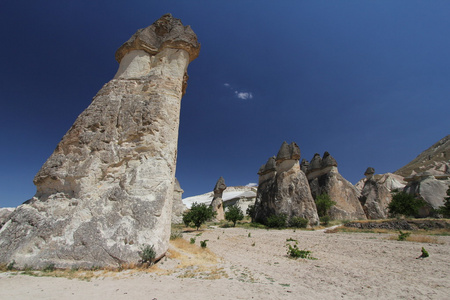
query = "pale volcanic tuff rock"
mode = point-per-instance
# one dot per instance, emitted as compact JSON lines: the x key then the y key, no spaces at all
{"x":283,"y":188}
{"x":217,"y":201}
{"x":178,"y":207}
{"x":107,"y":189}
{"x":324,"y":178}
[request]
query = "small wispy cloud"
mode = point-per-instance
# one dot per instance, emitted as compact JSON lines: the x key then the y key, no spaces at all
{"x":239,"y":94}
{"x":251,"y":184}
{"x":244,"y":95}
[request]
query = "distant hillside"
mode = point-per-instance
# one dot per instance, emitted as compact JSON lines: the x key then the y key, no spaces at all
{"x":435,"y":159}
{"x":231,"y":194}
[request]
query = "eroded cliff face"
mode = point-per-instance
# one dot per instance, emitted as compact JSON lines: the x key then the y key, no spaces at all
{"x":107,"y":189}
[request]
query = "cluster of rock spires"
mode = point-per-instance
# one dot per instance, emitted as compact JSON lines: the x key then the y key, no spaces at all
{"x":286,"y":189}
{"x":108,"y":187}
{"x":283,"y":188}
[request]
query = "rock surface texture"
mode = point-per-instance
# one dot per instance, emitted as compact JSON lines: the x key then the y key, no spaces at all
{"x":283,"y":188}
{"x":376,"y":194}
{"x":217,"y":201}
{"x":107,"y":189}
{"x":325,"y":179}
{"x":177,"y":207}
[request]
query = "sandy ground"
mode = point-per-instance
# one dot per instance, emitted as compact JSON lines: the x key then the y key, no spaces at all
{"x":252,"y":264}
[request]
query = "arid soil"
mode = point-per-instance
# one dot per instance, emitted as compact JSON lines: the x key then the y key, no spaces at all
{"x":243,"y":263}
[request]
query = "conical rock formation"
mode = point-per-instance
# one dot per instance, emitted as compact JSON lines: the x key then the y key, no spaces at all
{"x":107,"y":189}
{"x":217,"y":201}
{"x":283,"y":188}
{"x":324,"y":178}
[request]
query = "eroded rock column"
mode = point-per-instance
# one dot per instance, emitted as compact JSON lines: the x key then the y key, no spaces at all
{"x":107,"y":189}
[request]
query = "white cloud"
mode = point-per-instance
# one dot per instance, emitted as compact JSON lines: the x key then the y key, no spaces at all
{"x":244,"y":95}
{"x":251,"y":184}
{"x":239,"y":94}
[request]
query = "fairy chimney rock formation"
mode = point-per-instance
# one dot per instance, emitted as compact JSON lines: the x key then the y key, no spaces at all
{"x":107,"y":189}
{"x":283,"y":188}
{"x":217,"y":201}
{"x":369,"y":172}
{"x":375,"y":196}
{"x":324,"y":178}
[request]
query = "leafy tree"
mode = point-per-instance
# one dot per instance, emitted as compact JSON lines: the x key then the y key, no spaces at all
{"x":445,"y":210}
{"x":198,"y":214}
{"x":323,"y":204}
{"x":233,"y":214}
{"x":405,"y":204}
{"x":251,"y":209}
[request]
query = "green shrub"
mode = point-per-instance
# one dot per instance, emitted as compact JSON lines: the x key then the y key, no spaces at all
{"x":405,"y":204}
{"x":233,"y":214}
{"x":49,"y":268}
{"x":276,"y":221}
{"x":176,"y":235}
{"x":294,"y":252}
{"x":298,"y":222}
{"x":445,"y":209}
{"x":251,"y":209}
{"x":203,"y":243}
{"x":148,"y":254}
{"x":323,"y":204}
{"x":403,"y":235}
{"x":325,"y":220}
{"x":10,"y":266}
{"x":198,"y":214}
{"x":192,"y":241}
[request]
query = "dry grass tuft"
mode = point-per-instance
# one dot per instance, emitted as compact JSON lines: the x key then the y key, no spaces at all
{"x":418,"y":238}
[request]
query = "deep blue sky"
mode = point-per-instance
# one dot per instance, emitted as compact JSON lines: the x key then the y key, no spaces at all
{"x":368,"y":81}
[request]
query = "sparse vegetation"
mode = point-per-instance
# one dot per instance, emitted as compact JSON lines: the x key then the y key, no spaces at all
{"x":233,"y":214}
{"x":176,"y":235}
{"x":198,"y":214}
{"x":148,"y":254}
{"x":203,"y":243}
{"x":405,"y":204}
{"x":276,"y":221}
{"x":403,"y":235}
{"x":49,"y":268}
{"x":325,"y":220}
{"x":424,"y":253}
{"x":10,"y":266}
{"x":192,"y":240}
{"x":323,"y":204}
{"x":295,"y":252}
{"x":445,"y":209}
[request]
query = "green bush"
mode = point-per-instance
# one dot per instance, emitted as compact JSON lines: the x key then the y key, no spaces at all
{"x":198,"y":214}
{"x":148,"y":254}
{"x":323,"y":204}
{"x":49,"y":268}
{"x":325,"y":220}
{"x":445,"y":209}
{"x":405,"y":204}
{"x":10,"y":266}
{"x":176,"y":235}
{"x":251,"y":209}
{"x":403,"y":235}
{"x":298,"y":222}
{"x":233,"y":214}
{"x":203,"y":243}
{"x":192,"y":241}
{"x":294,"y":252}
{"x":276,"y":221}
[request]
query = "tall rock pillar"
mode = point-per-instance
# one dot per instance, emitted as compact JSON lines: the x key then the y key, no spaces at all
{"x":107,"y":189}
{"x":217,"y":201}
